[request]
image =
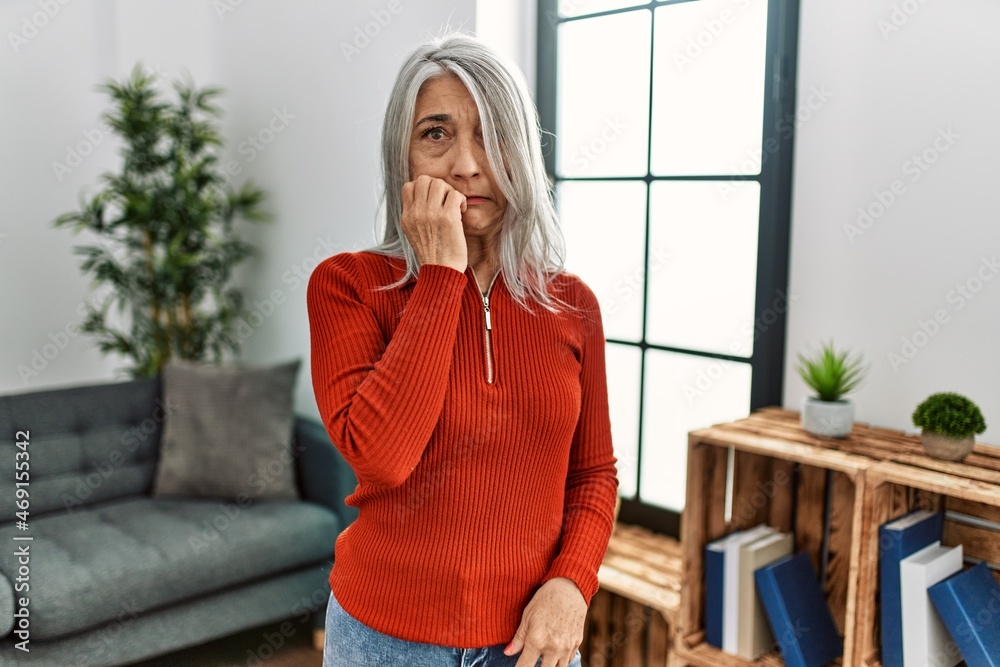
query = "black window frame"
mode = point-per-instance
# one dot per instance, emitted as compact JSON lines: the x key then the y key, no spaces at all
{"x":767,"y":360}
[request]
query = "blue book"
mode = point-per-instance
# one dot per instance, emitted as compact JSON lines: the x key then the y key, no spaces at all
{"x":715,"y":559}
{"x":798,"y":613}
{"x":968,"y":603}
{"x":715,"y":581}
{"x":898,"y":539}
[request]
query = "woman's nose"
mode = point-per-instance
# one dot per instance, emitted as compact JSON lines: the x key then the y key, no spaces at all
{"x":467,"y":158}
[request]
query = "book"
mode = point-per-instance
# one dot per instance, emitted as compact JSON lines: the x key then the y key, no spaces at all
{"x":715,"y":558}
{"x":754,"y":633}
{"x":715,"y":592}
{"x":898,"y":539}
{"x":731,"y":585}
{"x":797,"y":612}
{"x":925,"y":639}
{"x":969,"y":606}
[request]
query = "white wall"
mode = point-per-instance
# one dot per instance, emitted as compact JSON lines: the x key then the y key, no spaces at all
{"x":896,"y":93}
{"x":304,"y":59}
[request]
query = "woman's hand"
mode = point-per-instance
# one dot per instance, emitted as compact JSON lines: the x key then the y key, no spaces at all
{"x":432,"y":222}
{"x":551,"y":625}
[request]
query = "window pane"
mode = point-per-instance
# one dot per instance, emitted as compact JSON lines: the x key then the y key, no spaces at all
{"x":683,"y":393}
{"x":623,"y":364}
{"x":708,"y":90}
{"x":593,"y":216}
{"x":603,"y":93}
{"x":702,"y":295}
{"x":581,"y":7}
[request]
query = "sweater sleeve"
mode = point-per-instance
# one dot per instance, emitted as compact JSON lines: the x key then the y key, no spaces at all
{"x":381,"y":401}
{"x":592,"y":478}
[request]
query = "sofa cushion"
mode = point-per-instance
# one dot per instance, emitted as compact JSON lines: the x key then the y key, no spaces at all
{"x":6,"y":606}
{"x":86,"y":444}
{"x":229,"y":432}
{"x":132,"y":555}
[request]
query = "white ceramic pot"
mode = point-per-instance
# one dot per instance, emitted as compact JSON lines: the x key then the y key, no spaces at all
{"x":832,"y":419}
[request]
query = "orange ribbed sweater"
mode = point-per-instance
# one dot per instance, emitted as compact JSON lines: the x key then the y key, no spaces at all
{"x":484,"y":457}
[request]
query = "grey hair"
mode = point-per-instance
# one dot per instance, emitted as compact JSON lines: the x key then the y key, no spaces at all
{"x":530,"y":240}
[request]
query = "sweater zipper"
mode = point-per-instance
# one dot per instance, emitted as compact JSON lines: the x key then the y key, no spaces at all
{"x":487,"y":339}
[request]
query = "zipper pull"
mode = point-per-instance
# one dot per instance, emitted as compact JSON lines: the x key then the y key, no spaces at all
{"x":486,"y":304}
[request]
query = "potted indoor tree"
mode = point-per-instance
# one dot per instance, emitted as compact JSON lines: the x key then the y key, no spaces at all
{"x":164,"y":224}
{"x":950,"y":423}
{"x":831,"y":375}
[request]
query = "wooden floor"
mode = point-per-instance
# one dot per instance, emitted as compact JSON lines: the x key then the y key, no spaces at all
{"x":247,"y":649}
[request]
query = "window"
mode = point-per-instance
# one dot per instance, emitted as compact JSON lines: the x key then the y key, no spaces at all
{"x":671,"y":133}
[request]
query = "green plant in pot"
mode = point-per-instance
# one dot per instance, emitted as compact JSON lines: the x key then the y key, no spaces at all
{"x":832,"y":375}
{"x":950,"y":423}
{"x":165,"y":230}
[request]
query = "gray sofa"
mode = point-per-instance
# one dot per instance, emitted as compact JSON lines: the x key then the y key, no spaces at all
{"x":117,"y":576}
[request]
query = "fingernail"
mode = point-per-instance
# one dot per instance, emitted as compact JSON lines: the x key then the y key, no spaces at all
{"x":507,"y":650}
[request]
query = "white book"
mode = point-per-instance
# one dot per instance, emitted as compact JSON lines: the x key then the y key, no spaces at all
{"x":753,"y":630}
{"x":926,"y":641}
{"x":731,"y":584}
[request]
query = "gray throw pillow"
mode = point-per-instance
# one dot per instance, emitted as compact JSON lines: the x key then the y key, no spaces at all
{"x":228,"y":432}
{"x":7,"y":606}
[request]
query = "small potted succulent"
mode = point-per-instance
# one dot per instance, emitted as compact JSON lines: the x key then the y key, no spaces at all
{"x":831,"y":375}
{"x":950,"y":423}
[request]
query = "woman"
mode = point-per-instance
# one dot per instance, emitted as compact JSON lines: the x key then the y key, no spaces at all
{"x":468,"y":397}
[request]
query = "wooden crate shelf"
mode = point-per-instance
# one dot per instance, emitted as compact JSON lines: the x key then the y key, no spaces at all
{"x":800,"y":483}
{"x":896,"y":488}
{"x":703,"y":654}
{"x":781,"y":476}
{"x":632,"y":617}
{"x":644,"y":566}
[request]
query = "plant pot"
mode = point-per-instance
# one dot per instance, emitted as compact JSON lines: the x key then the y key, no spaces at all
{"x":946,"y":448}
{"x":830,"y":419}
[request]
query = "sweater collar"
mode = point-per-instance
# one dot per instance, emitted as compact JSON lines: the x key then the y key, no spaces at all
{"x":399,"y":268}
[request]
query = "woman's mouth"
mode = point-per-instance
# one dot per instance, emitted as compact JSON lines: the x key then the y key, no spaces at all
{"x":472,"y":201}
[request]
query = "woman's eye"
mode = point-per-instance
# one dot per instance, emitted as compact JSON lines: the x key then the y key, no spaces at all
{"x":435,"y":133}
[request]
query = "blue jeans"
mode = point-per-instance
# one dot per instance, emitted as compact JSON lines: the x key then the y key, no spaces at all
{"x":350,"y":643}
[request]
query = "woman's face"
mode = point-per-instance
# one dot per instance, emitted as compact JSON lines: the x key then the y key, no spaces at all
{"x":446,"y":142}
